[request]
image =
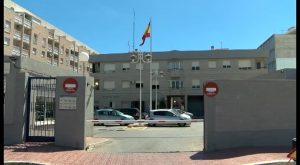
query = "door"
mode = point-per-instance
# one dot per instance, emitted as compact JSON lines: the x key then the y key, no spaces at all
{"x":40,"y":109}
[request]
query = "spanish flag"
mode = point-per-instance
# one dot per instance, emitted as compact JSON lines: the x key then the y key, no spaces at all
{"x":146,"y":34}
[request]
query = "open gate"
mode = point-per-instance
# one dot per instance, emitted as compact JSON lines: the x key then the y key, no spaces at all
{"x":40,"y":109}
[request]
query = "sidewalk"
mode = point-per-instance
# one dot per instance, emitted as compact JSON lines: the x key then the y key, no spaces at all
{"x":48,"y":153}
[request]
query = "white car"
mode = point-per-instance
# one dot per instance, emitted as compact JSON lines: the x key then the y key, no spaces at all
{"x":169,"y":114}
{"x":110,"y":114}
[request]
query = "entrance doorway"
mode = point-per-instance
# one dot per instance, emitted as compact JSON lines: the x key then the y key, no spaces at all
{"x":40,"y":109}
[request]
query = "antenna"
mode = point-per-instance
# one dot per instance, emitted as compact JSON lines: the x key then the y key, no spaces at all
{"x":128,"y":46}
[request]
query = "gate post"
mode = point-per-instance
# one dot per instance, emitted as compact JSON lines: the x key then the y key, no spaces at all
{"x":74,"y":105}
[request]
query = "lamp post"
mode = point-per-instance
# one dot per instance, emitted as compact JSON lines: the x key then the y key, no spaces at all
{"x":157,"y":73}
{"x":138,"y":57}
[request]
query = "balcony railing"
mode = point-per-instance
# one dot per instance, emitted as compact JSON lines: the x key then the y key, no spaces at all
{"x":56,"y":38}
{"x":71,"y":58}
{"x":50,"y":49}
{"x":26,"y":38}
{"x":18,"y":19}
{"x":27,"y":23}
{"x":55,"y":50}
{"x":51,"y":36}
{"x":16,"y":51}
{"x":17,"y":35}
{"x":25,"y":52}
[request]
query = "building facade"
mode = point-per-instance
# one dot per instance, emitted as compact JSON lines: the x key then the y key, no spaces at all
{"x":29,"y":36}
{"x":281,"y":50}
{"x":179,"y":84}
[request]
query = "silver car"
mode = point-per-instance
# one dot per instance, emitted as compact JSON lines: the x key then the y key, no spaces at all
{"x":169,"y":114}
{"x":110,"y":114}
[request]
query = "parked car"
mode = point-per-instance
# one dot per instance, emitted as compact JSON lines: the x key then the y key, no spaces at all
{"x":185,"y":112}
{"x":135,"y":112}
{"x":111,"y":114}
{"x":169,"y":114}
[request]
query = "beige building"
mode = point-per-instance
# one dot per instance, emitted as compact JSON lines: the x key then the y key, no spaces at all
{"x":184,"y":73}
{"x":29,"y":36}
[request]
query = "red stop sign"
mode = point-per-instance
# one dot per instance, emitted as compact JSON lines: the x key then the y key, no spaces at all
{"x":70,"y":85}
{"x":210,"y":89}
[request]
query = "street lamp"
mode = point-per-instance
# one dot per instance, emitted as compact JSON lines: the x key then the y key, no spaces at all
{"x":157,"y":73}
{"x":138,"y":57}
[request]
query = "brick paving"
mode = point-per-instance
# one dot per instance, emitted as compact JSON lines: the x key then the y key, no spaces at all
{"x":48,"y":153}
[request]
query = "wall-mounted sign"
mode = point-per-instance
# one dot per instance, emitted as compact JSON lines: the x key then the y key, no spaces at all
{"x":70,"y":85}
{"x":67,"y":102}
{"x":210,"y":89}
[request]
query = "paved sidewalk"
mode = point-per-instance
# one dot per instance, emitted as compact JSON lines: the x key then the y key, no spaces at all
{"x":48,"y":153}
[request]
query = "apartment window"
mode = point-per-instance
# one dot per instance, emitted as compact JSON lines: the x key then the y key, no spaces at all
{"x":139,"y":66}
{"x":109,"y":67}
{"x":44,"y":42}
{"x":7,"y":26}
{"x":34,"y":51}
{"x":155,"y":84}
{"x":35,"y":39}
{"x":176,"y":84}
{"x":61,"y":61}
{"x":154,"y":66}
{"x":244,"y":64}
{"x":67,"y":62}
{"x":212,"y":64}
{"x":43,"y":54}
{"x":6,"y":41}
{"x":195,"y":83}
{"x":226,"y":64}
{"x":126,"y":66}
{"x":109,"y":85}
{"x":125,"y":84}
{"x":175,"y":65}
{"x":195,"y":65}
{"x":138,"y":84}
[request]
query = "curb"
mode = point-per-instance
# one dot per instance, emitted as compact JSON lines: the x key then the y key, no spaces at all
{"x":285,"y":161}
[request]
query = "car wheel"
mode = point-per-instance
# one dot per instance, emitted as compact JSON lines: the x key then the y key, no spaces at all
{"x":181,"y":124}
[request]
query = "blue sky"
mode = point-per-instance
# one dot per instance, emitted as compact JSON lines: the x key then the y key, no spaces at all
{"x":107,"y":25}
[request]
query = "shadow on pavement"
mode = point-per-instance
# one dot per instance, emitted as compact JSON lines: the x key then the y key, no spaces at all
{"x":37,"y":147}
{"x":236,"y":152}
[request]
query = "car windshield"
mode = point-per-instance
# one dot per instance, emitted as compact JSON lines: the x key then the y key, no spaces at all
{"x":176,"y":111}
{"x":119,"y":113}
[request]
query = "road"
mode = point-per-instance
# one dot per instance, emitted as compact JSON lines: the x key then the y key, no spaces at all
{"x":150,"y":139}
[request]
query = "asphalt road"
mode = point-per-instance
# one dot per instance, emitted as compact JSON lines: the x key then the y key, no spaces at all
{"x":122,"y":139}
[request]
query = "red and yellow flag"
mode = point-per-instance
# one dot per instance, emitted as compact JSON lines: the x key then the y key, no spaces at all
{"x":146,"y":34}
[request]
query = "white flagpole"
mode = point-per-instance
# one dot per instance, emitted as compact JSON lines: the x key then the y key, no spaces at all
{"x":150,"y":106}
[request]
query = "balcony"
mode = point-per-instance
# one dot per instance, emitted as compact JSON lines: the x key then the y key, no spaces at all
{"x":50,"y":49}
{"x":55,"y":50}
{"x":76,"y":59}
{"x":56,"y":38}
{"x":17,"y":35}
{"x":18,"y":19}
{"x":51,"y":36}
{"x":26,"y":38}
{"x":16,"y":51}
{"x":25,"y":52}
{"x":27,"y":23}
{"x":71,"y":58}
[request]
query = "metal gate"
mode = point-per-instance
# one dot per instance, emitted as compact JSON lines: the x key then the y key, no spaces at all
{"x":40,"y":109}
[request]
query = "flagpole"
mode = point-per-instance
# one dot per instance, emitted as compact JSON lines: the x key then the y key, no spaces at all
{"x":150,"y":106}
